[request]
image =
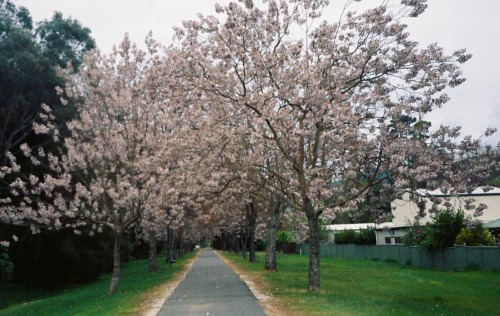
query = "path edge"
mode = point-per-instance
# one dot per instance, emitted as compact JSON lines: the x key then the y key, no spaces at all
{"x":264,"y":300}
{"x":170,"y":285}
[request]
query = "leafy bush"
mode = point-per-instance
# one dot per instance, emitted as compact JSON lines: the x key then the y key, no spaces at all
{"x":260,"y":245}
{"x":284,"y":236}
{"x":364,"y":237}
{"x":53,"y":259}
{"x":284,"y":241}
{"x":415,"y":235}
{"x":496,"y":236}
{"x":443,"y":230}
{"x":6,"y":265}
{"x":475,"y":236}
{"x":345,"y":237}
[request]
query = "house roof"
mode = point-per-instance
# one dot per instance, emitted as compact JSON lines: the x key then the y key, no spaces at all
{"x":342,"y":227}
{"x":479,"y":191}
{"x":493,"y":224}
{"x":360,"y":226}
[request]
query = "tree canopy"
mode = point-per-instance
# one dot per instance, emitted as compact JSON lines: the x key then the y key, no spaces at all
{"x":326,"y":104}
{"x":29,"y":57}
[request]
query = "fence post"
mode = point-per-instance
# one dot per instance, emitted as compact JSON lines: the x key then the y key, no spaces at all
{"x":466,"y":259}
{"x":444,"y":259}
{"x":483,"y":264}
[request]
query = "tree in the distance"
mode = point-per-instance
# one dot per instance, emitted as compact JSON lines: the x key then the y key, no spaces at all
{"x":28,"y":60}
{"x":64,"y":41}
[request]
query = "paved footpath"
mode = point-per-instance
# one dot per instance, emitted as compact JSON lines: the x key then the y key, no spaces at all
{"x":211,"y":288}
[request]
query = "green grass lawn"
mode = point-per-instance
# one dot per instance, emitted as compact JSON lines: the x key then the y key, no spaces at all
{"x":91,"y":299}
{"x":362,"y":287}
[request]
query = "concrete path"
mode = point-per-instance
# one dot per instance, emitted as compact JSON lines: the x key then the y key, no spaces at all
{"x":211,"y":288}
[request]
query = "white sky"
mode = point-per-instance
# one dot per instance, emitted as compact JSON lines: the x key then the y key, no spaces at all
{"x":454,"y":24}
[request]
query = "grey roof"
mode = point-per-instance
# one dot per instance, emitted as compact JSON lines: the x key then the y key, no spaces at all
{"x":493,"y":224}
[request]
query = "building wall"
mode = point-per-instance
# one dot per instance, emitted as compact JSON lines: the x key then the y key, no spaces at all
{"x":391,"y":236}
{"x":404,"y":210}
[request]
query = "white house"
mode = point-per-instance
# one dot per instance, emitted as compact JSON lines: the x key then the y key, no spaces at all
{"x":390,"y":234}
{"x":404,"y":211}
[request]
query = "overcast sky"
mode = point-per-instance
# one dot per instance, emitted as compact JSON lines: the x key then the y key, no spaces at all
{"x":454,"y":24}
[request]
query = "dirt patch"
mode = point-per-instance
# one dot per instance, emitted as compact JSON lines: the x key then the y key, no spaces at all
{"x":272,"y":306}
{"x":155,"y":298}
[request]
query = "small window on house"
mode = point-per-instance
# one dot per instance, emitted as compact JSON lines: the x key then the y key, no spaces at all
{"x":392,"y":240}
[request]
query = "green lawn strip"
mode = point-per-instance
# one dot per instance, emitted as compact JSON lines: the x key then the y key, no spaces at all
{"x":364,"y":287}
{"x":91,"y":299}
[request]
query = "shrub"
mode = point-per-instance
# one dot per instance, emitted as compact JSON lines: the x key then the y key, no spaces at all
{"x":53,"y":259}
{"x":415,"y":235}
{"x":475,"y":236}
{"x":443,"y":230}
{"x":284,"y":242}
{"x":364,"y":237}
{"x":284,"y":236}
{"x":345,"y":237}
{"x":260,"y":245}
{"x":6,"y":265}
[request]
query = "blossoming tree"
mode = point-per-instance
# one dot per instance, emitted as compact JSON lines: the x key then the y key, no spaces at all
{"x":116,"y":165}
{"x":325,"y":103}
{"x":242,"y":112}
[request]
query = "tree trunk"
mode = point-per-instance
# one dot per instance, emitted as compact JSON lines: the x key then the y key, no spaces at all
{"x":153,"y":262}
{"x":244,"y":240}
{"x":176,"y":248}
{"x":314,"y":245}
{"x":223,"y":237}
{"x":251,"y":246}
{"x":272,"y":228}
{"x":252,"y":219}
{"x":170,"y":243}
{"x":235,"y":243}
{"x":115,"y":279}
{"x":180,"y":244}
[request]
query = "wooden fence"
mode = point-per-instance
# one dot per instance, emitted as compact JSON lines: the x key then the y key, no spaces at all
{"x":454,"y":258}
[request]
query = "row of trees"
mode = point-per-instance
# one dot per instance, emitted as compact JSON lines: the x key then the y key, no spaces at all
{"x":241,"y":121}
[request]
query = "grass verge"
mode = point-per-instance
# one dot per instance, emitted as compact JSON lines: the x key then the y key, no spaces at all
{"x":136,"y":290}
{"x":363,"y":287}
